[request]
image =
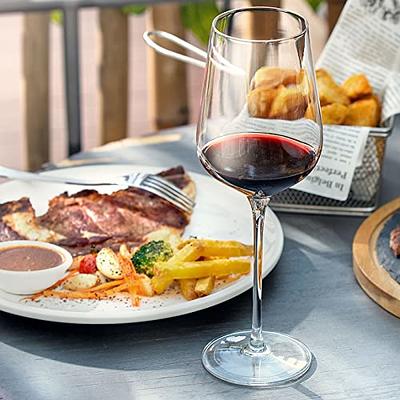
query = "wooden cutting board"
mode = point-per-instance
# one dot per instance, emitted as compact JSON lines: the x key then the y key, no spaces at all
{"x":371,"y":251}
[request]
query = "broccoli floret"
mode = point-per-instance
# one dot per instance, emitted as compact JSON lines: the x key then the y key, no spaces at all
{"x":149,"y":254}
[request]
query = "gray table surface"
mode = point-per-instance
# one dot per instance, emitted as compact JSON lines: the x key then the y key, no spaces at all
{"x":312,"y":294}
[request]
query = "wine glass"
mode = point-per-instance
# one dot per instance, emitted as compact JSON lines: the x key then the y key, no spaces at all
{"x":259,"y":132}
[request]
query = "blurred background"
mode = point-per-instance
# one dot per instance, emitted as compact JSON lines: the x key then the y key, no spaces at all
{"x":125,"y":89}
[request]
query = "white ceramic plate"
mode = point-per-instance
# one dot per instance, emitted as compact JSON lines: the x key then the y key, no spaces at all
{"x":220,"y":213}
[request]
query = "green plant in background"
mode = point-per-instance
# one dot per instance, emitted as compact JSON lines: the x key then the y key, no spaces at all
{"x":134,"y":9}
{"x":197,"y":17}
{"x":315,"y":4}
{"x":56,"y":16}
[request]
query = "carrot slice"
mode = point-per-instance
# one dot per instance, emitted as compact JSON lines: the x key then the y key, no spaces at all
{"x":116,"y":290}
{"x":72,"y":295}
{"x":104,"y":286}
{"x":130,"y":278}
{"x":58,"y":283}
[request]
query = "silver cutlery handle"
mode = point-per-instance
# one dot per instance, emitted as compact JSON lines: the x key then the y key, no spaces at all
{"x":215,"y":56}
{"x":29,"y":177}
{"x":180,"y":42}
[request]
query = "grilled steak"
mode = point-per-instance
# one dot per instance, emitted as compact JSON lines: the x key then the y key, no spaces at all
{"x":89,"y":218}
{"x":395,"y":241}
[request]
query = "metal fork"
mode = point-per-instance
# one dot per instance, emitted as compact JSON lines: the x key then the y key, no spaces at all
{"x":148,"y":182}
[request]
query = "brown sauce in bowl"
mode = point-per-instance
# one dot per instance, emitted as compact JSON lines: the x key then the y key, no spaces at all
{"x":28,"y":258}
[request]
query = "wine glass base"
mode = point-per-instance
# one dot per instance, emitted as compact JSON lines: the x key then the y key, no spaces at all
{"x":285,"y":360}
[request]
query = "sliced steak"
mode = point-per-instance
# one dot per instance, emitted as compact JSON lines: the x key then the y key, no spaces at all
{"x":86,"y":219}
{"x":395,"y":241}
{"x":6,"y":233}
{"x":20,"y":220}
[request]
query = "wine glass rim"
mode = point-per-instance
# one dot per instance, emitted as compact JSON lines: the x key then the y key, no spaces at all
{"x":262,"y":8}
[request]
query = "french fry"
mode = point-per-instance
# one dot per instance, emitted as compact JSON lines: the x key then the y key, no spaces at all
{"x":191,"y":251}
{"x":204,"y":286}
{"x":201,"y":269}
{"x":222,"y":248}
{"x":187,"y":287}
{"x":161,"y":284}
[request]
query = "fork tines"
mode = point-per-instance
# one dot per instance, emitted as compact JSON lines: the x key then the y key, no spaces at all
{"x":171,"y":188}
{"x":179,"y":199}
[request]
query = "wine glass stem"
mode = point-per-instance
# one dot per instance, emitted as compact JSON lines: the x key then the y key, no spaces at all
{"x":259,"y":203}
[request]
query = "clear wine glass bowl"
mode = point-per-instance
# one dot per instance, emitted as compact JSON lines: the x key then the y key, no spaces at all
{"x":259,"y":132}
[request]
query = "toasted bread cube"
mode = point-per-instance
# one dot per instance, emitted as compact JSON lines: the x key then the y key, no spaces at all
{"x":289,"y":103}
{"x":357,"y":86}
{"x":310,"y":112}
{"x":272,"y":77}
{"x":329,"y":91}
{"x":334,"y":114}
{"x":259,"y":101}
{"x":365,"y":112}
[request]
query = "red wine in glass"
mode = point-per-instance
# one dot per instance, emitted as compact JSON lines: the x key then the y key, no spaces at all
{"x":258,"y":162}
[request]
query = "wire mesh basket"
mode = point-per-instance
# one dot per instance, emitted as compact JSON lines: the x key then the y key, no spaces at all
{"x":364,"y":192}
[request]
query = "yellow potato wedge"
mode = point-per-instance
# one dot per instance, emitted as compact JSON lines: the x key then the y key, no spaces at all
{"x":107,"y":263}
{"x":334,"y":114}
{"x":290,"y":103}
{"x":329,"y":91}
{"x":201,"y":269}
{"x":272,"y":77}
{"x":365,"y":112}
{"x":357,"y":86}
{"x":191,"y":251}
{"x":187,"y":287}
{"x":259,"y":101}
{"x":204,"y":286}
{"x":221,"y":248}
{"x":161,"y":284}
{"x":80,"y":282}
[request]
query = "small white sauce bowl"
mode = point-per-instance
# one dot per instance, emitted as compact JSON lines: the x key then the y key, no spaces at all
{"x":29,"y":282}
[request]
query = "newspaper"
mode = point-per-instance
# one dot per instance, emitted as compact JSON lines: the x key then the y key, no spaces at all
{"x":365,"y":40}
